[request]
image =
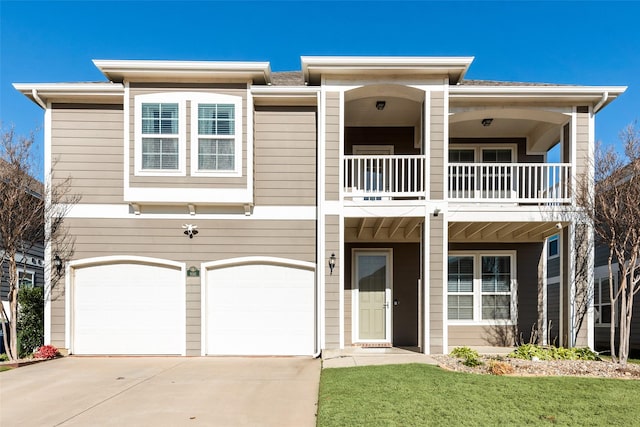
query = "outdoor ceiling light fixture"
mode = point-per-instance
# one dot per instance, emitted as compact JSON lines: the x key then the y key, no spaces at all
{"x":190,"y":230}
{"x":57,"y":262}
{"x":332,"y":263}
{"x":487,"y":122}
{"x":380,"y":105}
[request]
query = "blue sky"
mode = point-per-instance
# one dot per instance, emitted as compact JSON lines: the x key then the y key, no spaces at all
{"x":585,"y":43}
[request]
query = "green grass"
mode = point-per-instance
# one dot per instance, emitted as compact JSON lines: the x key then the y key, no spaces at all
{"x":5,"y":368}
{"x":423,"y":395}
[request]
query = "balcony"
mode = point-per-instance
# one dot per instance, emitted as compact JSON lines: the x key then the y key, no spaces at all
{"x":384,"y":177}
{"x":402,"y":177}
{"x":546,"y":183}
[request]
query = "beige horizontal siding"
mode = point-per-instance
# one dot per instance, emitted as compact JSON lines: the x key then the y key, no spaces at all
{"x":283,"y":137}
{"x":332,"y":145}
{"x":435,"y":274}
{"x":187,"y":181}
{"x":481,"y":335}
{"x":332,"y":283}
{"x":437,"y":145}
{"x":87,"y":145}
{"x":582,"y":143}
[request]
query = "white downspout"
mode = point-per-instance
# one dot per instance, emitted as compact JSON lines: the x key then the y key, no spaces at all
{"x":599,"y":105}
{"x":36,"y":97}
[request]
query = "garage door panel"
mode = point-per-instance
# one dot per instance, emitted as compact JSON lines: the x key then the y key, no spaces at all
{"x":260,"y":310}
{"x":128,"y":309}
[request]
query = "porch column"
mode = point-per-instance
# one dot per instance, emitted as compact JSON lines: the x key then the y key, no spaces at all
{"x":436,"y":328}
{"x":543,"y":323}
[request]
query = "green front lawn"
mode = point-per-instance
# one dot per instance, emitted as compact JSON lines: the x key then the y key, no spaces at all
{"x":419,"y":395}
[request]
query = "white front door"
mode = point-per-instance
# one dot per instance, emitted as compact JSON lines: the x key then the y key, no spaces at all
{"x":373,"y":296}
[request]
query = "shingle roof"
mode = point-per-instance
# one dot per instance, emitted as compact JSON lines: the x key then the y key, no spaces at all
{"x":287,"y":78}
{"x":504,"y":83}
{"x":295,"y":78}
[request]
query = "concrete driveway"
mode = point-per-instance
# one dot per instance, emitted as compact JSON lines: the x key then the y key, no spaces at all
{"x":161,"y":391}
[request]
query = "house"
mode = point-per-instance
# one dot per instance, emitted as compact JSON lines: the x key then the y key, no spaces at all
{"x":363,"y":201}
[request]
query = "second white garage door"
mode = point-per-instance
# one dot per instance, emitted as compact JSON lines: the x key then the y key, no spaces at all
{"x":128,"y":308}
{"x":260,"y":309}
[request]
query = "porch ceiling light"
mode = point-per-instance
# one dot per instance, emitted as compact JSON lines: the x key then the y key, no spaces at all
{"x":380,"y":105}
{"x":487,"y":122}
{"x":332,"y":263}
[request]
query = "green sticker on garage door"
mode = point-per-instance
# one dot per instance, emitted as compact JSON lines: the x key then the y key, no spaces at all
{"x":193,"y":271}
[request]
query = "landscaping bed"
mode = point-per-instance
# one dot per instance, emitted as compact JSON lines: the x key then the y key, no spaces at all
{"x":581,"y":368}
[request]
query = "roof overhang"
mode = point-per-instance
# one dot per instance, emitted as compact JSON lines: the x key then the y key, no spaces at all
{"x":313,"y":67}
{"x":105,"y":93}
{"x":597,"y":96}
{"x":185,"y":71}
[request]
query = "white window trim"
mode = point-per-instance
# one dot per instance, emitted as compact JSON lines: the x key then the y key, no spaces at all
{"x":27,"y":271}
{"x":478,"y":148}
{"x":477,"y":290}
{"x":196,"y":100}
{"x":180,"y":99}
{"x":602,"y":273}
{"x":555,"y":237}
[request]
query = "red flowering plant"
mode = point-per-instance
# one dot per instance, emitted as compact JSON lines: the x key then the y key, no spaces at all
{"x":46,"y":352}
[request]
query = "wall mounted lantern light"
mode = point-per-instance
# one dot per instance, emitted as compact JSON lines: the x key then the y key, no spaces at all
{"x":57,"y":262}
{"x":332,"y":263}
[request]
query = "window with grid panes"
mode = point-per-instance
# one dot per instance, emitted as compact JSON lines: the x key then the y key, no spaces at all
{"x":160,"y":129}
{"x":216,"y":137}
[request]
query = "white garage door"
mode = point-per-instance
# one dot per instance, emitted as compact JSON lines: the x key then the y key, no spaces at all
{"x":260,"y":309}
{"x":128,"y":308}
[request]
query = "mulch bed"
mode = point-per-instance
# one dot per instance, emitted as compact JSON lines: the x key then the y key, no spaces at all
{"x":579,"y":368}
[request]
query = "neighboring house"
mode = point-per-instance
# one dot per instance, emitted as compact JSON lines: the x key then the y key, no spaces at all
{"x":364,"y":201}
{"x":602,"y":305}
{"x":30,"y":263}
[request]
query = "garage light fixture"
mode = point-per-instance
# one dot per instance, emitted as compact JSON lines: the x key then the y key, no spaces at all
{"x":332,"y":263}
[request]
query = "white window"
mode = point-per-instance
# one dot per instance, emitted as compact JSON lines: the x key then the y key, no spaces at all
{"x":481,"y":287}
{"x":216,"y":142}
{"x":602,"y":301}
{"x":553,"y":247}
{"x":160,"y":129}
{"x":26,"y":278}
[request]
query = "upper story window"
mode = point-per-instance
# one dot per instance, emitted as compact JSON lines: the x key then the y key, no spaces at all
{"x":211,"y":138}
{"x":160,"y":136}
{"x":216,"y":137}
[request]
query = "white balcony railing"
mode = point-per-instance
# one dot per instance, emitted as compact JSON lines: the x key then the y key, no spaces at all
{"x":516,"y":182}
{"x":384,"y":177}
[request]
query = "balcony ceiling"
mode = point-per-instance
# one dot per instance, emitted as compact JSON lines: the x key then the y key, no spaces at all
{"x":541,"y":128}
{"x":397,"y":112}
{"x":461,"y":232}
{"x":383,"y":229}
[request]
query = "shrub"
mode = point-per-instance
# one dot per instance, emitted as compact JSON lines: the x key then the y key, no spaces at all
{"x":500,"y":368}
{"x":4,"y":357}
{"x":470,"y":356}
{"x":528,"y":351}
{"x":30,"y":319}
{"x":46,"y":352}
